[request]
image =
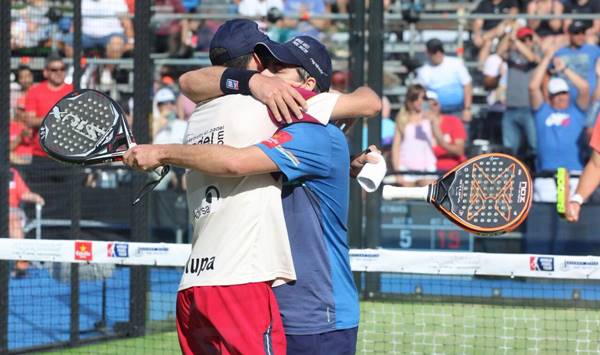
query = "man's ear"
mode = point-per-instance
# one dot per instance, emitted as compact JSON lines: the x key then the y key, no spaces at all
{"x":259,"y":64}
{"x":310,"y":83}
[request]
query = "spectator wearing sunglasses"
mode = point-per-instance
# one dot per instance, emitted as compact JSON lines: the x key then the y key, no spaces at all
{"x":42,"y":97}
{"x":522,"y":54}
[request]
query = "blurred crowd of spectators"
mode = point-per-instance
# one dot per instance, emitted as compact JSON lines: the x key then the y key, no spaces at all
{"x":539,"y":77}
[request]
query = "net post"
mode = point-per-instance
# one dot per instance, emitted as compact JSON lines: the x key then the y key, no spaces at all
{"x":75,"y":173}
{"x":357,"y":72}
{"x":5,"y":19}
{"x":375,"y":81}
{"x":140,"y":230}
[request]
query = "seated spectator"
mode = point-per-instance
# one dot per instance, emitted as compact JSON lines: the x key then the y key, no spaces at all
{"x":107,"y":28}
{"x":549,"y":29}
{"x":167,"y":128}
{"x":41,"y":97}
{"x":173,"y":36}
{"x":258,"y":8}
{"x":588,"y":7}
{"x":19,"y":192}
{"x":484,"y":32}
{"x":304,"y":10}
{"x":30,"y":27}
{"x":449,"y":134}
{"x":449,"y":79}
{"x":23,"y":83}
{"x":20,"y":136}
{"x":521,"y":51}
{"x":559,"y":122}
{"x":412,"y":148}
{"x":276,"y":26}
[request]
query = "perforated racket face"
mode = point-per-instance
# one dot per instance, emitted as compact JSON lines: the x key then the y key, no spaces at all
{"x":490,"y":193}
{"x":85,"y":127}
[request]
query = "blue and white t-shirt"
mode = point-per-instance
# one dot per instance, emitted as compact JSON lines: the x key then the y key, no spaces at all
{"x":315,"y":162}
{"x":447,"y":80}
{"x":558,"y":135}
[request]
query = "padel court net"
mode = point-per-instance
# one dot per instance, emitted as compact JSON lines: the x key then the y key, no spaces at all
{"x":84,"y":297}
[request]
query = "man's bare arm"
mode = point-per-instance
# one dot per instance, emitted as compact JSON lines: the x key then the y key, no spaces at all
{"x":211,"y":159}
{"x":280,"y":97}
{"x":362,"y":102}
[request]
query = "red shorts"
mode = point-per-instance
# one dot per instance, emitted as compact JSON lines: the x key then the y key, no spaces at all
{"x":237,"y":319}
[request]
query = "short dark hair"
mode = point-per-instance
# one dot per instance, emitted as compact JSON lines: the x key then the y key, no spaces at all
{"x":240,"y":62}
{"x":434,"y":45}
{"x":23,"y":67}
{"x":52,"y":57}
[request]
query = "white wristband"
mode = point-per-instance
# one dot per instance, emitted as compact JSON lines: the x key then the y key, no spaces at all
{"x":577,"y":198}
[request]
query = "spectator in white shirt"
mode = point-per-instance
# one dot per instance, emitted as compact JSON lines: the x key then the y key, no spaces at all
{"x":258,"y":8}
{"x":449,"y":79}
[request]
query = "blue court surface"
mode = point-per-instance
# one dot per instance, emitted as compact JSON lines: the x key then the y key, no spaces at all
{"x":39,"y":304}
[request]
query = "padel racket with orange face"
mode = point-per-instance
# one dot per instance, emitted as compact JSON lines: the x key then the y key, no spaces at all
{"x":488,"y":194}
{"x":87,"y":127}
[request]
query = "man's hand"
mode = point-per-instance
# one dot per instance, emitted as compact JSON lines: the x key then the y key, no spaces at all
{"x":573,"y":210}
{"x":145,"y":157}
{"x":279,"y":96}
{"x":559,"y":64}
{"x":467,"y":115}
{"x":361,"y":159}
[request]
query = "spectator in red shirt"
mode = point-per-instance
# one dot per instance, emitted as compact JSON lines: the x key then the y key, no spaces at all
{"x":589,"y":180}
{"x":41,"y":97}
{"x":449,"y":133}
{"x":21,"y":142}
{"x":18,"y":192}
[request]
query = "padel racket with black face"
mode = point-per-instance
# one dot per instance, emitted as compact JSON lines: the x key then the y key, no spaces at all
{"x":87,"y":127}
{"x":488,"y":194}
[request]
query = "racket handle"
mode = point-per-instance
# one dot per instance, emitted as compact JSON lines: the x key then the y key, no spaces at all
{"x":405,"y":193}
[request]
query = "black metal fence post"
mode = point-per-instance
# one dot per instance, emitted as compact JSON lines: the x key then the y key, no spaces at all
{"x":75,"y":182}
{"x":4,"y":161}
{"x":357,"y":72}
{"x":375,"y":80}
{"x":142,"y":86}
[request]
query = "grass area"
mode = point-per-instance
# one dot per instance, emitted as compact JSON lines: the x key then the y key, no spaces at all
{"x":401,"y":327}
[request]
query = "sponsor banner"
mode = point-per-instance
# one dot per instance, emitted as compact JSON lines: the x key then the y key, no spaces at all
{"x":117,"y":250}
{"x":83,"y":251}
{"x":465,"y":263}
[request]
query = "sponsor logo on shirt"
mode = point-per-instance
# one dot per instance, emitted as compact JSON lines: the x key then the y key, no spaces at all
{"x":278,"y":139}
{"x":117,"y":250}
{"x":83,"y":251}
{"x":541,"y":263}
{"x":210,"y":203}
{"x":215,"y":135}
{"x":195,"y":266}
{"x":558,"y":119}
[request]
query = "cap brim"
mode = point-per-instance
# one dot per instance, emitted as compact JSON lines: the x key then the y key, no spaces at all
{"x":279,"y":52}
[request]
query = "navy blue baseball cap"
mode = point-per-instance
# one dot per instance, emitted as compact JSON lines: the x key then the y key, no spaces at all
{"x":238,"y":37}
{"x":305,"y":52}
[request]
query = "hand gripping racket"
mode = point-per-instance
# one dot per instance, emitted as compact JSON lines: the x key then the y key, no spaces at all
{"x":489,"y":194}
{"x":87,"y":127}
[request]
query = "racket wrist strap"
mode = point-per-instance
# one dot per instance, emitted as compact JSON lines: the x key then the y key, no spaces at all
{"x":236,"y":81}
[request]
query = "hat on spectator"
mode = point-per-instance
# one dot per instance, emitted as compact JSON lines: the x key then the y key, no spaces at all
{"x":238,"y":37}
{"x":164,"y":95}
{"x":431,"y":95}
{"x":306,"y":52}
{"x":578,"y":26}
{"x":557,"y":85}
{"x":524,"y":32}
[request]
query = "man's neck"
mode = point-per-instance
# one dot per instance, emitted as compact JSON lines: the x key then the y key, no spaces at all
{"x":54,"y":87}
